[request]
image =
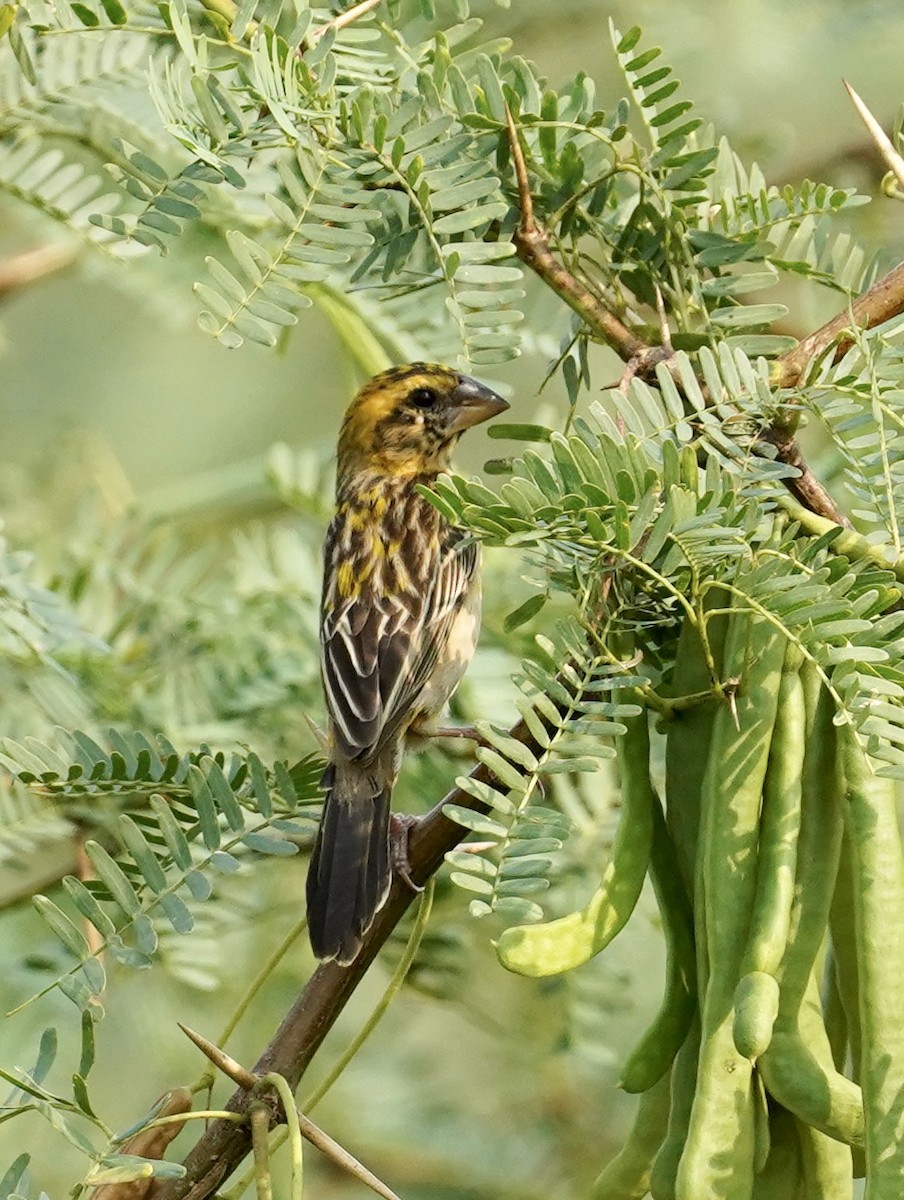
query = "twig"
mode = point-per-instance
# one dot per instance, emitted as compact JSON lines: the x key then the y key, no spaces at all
{"x":293,"y":1123}
{"x":259,"y":1119}
{"x":325,"y":995}
{"x":398,"y":978}
{"x":881,"y":302}
{"x":804,"y":487}
{"x":151,"y":1141}
{"x":532,"y":245}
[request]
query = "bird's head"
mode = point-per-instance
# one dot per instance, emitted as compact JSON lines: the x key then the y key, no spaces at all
{"x":406,"y":421}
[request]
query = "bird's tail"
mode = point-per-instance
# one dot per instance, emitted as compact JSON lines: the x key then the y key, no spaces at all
{"x":350,"y":872}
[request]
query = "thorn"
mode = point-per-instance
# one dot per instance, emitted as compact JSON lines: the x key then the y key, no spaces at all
{"x":220,"y":1059}
{"x":664,"y":332}
{"x":30,"y":265}
{"x":341,"y":1157}
{"x":321,"y":737}
{"x":883,"y":142}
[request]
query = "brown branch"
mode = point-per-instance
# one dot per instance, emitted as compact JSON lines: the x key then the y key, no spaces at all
{"x":532,"y":245}
{"x":150,"y":1142}
{"x":881,"y":302}
{"x":323,"y":998}
{"x":804,"y":487}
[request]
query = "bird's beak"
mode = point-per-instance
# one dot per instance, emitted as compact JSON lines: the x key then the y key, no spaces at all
{"x":471,"y":404}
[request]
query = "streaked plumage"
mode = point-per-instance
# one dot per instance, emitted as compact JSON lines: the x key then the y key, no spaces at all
{"x":399,"y":619}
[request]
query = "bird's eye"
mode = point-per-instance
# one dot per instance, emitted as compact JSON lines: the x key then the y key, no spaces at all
{"x":423,"y":397}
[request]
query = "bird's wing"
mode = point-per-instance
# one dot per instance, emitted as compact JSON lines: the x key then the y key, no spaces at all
{"x":378,"y":650}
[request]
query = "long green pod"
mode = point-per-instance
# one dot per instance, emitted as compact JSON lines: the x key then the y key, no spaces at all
{"x":690,"y":732}
{"x":682,"y":1084}
{"x":782,"y":1176}
{"x":842,"y":923}
{"x":818,"y":847}
{"x":834,"y":1014}
{"x":627,"y":1175}
{"x":571,"y":941}
{"x":655,"y":1052}
{"x":718,"y":1156}
{"x":797,"y":1067}
{"x":878,"y":866}
{"x":776,"y":866}
{"x":826,"y":1166}
{"x":820,"y":1097}
{"x":780,"y":821}
{"x":799,"y":1073}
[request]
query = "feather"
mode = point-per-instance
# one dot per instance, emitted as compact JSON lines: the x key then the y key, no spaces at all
{"x":379,"y":646}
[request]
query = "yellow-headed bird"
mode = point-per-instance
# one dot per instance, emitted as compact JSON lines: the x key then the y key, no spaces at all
{"x":399,"y":620}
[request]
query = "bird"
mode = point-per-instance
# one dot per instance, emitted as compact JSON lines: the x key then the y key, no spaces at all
{"x":399,"y":617}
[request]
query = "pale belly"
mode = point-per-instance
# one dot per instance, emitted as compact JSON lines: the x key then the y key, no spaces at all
{"x":452,"y":664}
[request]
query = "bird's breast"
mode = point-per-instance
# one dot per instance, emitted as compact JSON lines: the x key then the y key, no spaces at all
{"x":384,"y":542}
{"x":454,"y":656}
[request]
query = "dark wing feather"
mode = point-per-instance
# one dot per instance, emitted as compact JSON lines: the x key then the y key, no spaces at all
{"x":379,"y":648}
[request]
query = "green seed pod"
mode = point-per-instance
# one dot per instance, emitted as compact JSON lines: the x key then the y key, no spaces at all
{"x":782,"y":1176}
{"x":682,"y":1085}
{"x":627,"y":1176}
{"x":719,"y":1152}
{"x":690,"y":732}
{"x":655,"y":1052}
{"x":756,"y":1001}
{"x":561,"y":945}
{"x":799,"y":1073}
{"x":779,"y":824}
{"x":826,"y":1165}
{"x":871,"y":818}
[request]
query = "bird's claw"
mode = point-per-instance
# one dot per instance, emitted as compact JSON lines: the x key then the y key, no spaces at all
{"x":400,"y":826}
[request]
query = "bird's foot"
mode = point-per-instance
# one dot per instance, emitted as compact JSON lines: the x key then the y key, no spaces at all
{"x":400,"y":826}
{"x":455,"y":731}
{"x":420,"y":735}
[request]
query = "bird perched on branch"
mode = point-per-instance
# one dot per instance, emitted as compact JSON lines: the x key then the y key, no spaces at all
{"x":399,"y":620}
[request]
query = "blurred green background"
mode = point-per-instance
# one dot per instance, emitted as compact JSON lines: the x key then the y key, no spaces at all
{"x":112,"y":399}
